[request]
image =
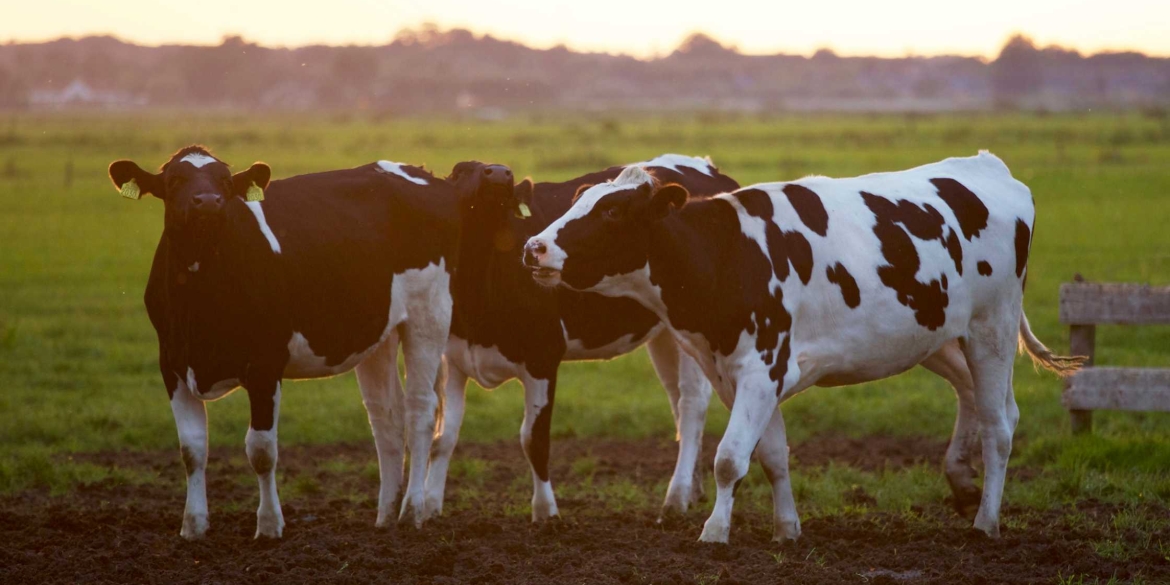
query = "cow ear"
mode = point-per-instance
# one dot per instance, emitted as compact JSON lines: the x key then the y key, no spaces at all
{"x":523,"y":194}
{"x":133,"y":182}
{"x":580,"y":190}
{"x":667,"y":196}
{"x":250,"y":184}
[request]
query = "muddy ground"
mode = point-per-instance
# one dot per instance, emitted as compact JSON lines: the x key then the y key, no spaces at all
{"x":128,"y":532}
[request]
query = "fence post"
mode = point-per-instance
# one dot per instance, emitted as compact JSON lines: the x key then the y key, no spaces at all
{"x":1082,"y":340}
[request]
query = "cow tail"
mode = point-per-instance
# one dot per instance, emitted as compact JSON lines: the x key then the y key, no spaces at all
{"x":441,"y":394}
{"x":1061,"y":365}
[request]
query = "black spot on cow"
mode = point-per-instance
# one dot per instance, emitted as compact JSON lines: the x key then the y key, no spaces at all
{"x":984,"y":267}
{"x":538,"y":445}
{"x":896,"y":222}
{"x":839,"y":276}
{"x":809,"y":207}
{"x":785,"y":248}
{"x":1023,"y":242}
{"x":969,"y":210}
{"x":955,"y":249}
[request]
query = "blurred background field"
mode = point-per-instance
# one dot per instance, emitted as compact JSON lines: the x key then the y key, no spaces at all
{"x":78,"y":358}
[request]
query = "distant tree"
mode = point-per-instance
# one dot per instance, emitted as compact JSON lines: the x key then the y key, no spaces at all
{"x":824,"y":54}
{"x":700,"y":45}
{"x":13,"y":93}
{"x":1016,"y":73}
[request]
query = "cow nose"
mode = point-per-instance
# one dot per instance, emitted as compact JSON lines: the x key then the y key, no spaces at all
{"x":208,"y":202}
{"x":498,"y":174}
{"x":534,"y":252}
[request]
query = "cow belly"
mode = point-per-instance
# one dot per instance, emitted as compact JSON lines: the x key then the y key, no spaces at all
{"x":486,"y":365}
{"x":303,"y":363}
{"x":576,"y":350}
{"x":855,"y":353}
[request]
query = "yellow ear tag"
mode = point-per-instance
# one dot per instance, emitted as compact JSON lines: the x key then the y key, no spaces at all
{"x":130,"y":190}
{"x":254,"y":193}
{"x":523,"y":212}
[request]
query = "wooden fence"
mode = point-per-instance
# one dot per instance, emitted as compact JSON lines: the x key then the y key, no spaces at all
{"x":1083,"y":306}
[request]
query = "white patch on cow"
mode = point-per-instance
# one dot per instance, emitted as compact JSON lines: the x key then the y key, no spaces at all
{"x":674,"y":161}
{"x":304,"y":363}
{"x":635,"y":285}
{"x":424,"y":298}
{"x":218,"y":390}
{"x":486,"y":365}
{"x":575,"y":350}
{"x":393,"y":168}
{"x":198,"y":159}
{"x":258,"y":211}
{"x":191,"y":421}
{"x":262,"y":454}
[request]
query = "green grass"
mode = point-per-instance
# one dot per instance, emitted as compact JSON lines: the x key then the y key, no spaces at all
{"x":78,"y":358}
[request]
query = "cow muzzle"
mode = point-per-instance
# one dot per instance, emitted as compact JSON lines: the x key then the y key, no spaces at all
{"x":536,"y":258}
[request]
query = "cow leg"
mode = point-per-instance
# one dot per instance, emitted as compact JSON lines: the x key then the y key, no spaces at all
{"x":755,"y":401}
{"x":773,"y":454}
{"x":444,"y":446}
{"x":990,"y":352}
{"x":539,"y":396}
{"x":689,"y":392}
{"x":191,"y":422}
{"x":423,"y":345}
{"x":260,"y":444}
{"x":382,"y":396}
{"x":950,"y":363}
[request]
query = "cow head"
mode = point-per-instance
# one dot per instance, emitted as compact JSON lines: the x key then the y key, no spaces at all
{"x":486,"y":191}
{"x":195,"y":188}
{"x":605,"y":233}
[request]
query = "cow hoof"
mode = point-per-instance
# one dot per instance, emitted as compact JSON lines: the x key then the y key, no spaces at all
{"x":990,"y":528}
{"x":715,"y":532}
{"x":786,"y":531}
{"x":433,"y":507}
{"x":967,"y":501}
{"x":412,"y":512}
{"x":194,"y":527}
{"x":383,"y":519}
{"x":269,"y":526}
{"x":676,"y":503}
{"x":544,"y":513}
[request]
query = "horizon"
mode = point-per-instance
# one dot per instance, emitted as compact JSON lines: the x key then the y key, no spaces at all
{"x":644,"y":33}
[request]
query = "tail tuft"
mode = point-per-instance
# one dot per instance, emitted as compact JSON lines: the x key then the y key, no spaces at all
{"x":1061,"y":365}
{"x":441,"y":393}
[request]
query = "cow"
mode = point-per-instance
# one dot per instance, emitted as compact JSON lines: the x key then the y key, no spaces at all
{"x":255,"y":282}
{"x":506,"y":326}
{"x":828,"y":282}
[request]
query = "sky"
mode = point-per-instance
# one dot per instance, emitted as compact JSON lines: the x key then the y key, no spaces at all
{"x":867,"y":27}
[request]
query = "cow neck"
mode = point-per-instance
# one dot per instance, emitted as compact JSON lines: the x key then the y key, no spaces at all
{"x":210,"y":307}
{"x":489,"y":269}
{"x":688,"y":258}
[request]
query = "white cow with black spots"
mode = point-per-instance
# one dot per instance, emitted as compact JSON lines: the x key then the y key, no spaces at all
{"x":823,"y":282}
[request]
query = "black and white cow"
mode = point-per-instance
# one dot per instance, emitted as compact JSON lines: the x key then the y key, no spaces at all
{"x":781,"y":286}
{"x":506,"y":326}
{"x":328,"y":273}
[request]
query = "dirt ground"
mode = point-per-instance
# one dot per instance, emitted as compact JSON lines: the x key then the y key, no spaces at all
{"x":111,"y":532}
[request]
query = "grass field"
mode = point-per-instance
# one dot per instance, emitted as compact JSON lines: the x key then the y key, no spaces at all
{"x":78,"y":358}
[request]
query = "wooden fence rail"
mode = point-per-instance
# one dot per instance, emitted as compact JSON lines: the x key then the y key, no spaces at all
{"x":1083,"y":306}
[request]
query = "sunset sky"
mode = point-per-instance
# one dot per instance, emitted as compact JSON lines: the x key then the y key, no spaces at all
{"x":886,"y":28}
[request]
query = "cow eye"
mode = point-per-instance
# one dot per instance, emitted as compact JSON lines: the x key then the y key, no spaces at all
{"x":612,"y":213}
